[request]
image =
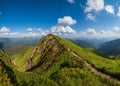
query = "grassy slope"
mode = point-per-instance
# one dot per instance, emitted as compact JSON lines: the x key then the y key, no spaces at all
{"x":108,"y":66}
{"x":19,"y":58}
{"x":66,"y":70}
{"x":7,"y":77}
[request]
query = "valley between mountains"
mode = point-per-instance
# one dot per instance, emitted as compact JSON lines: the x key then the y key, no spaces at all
{"x":55,"y":61}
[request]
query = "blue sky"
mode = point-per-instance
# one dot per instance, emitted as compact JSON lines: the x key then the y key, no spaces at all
{"x":77,"y":18}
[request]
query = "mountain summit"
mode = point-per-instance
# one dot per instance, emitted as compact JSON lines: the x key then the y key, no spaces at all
{"x":44,"y":54}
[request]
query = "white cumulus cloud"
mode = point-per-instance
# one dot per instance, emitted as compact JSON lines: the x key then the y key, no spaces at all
{"x":90,"y":31}
{"x":31,"y":34}
{"x":90,"y":17}
{"x":105,"y":32}
{"x":67,"y":20}
{"x":4,"y":30}
{"x":29,"y":29}
{"x":38,"y":32}
{"x":118,"y":14}
{"x":94,"y":5}
{"x":109,"y":9}
{"x":14,"y":33}
{"x":59,"y":29}
{"x":116,"y":29}
{"x":43,"y":32}
{"x":71,"y":1}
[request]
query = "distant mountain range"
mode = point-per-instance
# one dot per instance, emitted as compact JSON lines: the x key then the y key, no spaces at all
{"x":55,"y":61}
{"x":83,"y":43}
{"x":110,"y":48}
{"x":12,"y":45}
{"x":107,"y":48}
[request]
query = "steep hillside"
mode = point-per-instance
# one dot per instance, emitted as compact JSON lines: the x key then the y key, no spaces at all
{"x":55,"y":61}
{"x":7,"y":77}
{"x":110,"y":48}
{"x":84,"y":44}
{"x":2,"y":45}
{"x":53,"y":58}
{"x":44,"y":53}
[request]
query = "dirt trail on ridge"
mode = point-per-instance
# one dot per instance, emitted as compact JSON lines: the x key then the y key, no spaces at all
{"x":93,"y":70}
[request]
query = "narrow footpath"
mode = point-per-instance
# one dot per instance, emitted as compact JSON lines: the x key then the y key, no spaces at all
{"x":94,"y":70}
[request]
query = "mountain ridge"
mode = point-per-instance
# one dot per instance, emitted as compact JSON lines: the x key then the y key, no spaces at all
{"x":56,"y":61}
{"x":110,"y":48}
{"x":52,"y":45}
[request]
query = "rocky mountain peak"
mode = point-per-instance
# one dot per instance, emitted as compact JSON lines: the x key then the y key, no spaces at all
{"x":44,"y":53}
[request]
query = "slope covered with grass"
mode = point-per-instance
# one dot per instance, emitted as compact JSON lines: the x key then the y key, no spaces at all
{"x":108,"y":66}
{"x":52,"y":63}
{"x":7,"y":76}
